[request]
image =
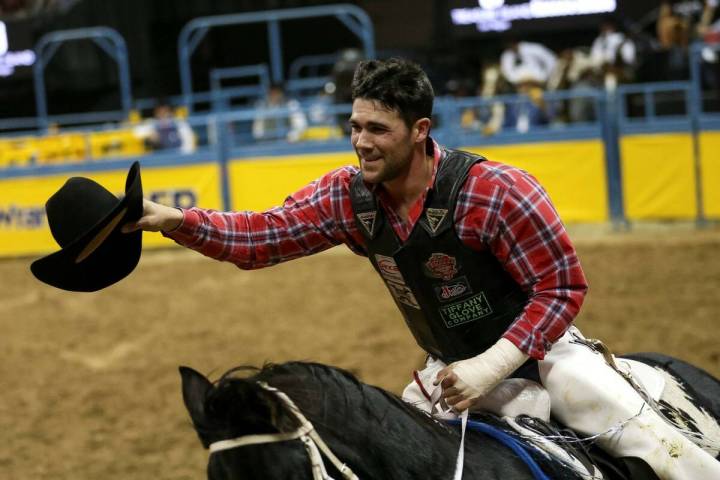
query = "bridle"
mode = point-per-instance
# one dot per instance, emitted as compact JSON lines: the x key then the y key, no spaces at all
{"x":305,"y":432}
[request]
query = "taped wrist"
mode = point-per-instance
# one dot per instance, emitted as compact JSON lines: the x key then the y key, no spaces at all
{"x":480,"y":374}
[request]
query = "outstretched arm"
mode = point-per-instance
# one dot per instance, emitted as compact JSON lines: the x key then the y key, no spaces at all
{"x":313,"y":219}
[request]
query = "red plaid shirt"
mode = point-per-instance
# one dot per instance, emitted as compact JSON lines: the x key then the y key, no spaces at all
{"x":500,"y":208}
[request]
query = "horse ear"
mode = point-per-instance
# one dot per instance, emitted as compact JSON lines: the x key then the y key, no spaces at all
{"x":194,"y":388}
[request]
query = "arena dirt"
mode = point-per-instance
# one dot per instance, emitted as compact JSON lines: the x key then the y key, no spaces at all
{"x":90,"y":388}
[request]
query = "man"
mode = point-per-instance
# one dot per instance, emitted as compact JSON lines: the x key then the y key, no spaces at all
{"x":166,"y":132}
{"x":613,"y":54}
{"x":472,"y":251}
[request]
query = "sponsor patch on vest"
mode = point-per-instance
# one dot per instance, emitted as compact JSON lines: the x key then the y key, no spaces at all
{"x":435,"y":216}
{"x":452,"y":290}
{"x":367,"y":220}
{"x":441,"y":265}
{"x":458,"y":313}
{"x":395,"y":282}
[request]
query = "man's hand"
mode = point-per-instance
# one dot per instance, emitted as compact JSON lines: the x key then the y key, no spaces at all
{"x":465,"y":381}
{"x":155,"y":218}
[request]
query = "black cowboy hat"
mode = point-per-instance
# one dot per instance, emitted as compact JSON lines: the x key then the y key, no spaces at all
{"x":85,"y":219}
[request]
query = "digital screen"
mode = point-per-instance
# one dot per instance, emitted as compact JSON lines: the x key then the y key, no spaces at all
{"x":16,"y":49}
{"x":522,"y":16}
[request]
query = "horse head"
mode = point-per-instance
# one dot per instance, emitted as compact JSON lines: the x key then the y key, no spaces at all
{"x":237,"y":407}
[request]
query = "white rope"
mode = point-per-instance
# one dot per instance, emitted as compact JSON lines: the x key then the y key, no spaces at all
{"x":435,"y":404}
{"x":258,"y":439}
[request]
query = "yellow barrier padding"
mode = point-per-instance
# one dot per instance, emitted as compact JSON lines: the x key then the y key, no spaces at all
{"x":17,"y":152}
{"x":710,"y":171}
{"x":658,"y":176}
{"x":115,"y":143}
{"x":321,"y":132}
{"x":261,"y":183}
{"x":23,"y":224}
{"x":572,"y":172}
{"x":64,"y":148}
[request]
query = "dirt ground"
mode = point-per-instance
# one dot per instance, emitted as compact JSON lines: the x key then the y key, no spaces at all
{"x":90,"y":388}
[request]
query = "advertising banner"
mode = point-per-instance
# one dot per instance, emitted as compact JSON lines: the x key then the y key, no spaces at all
{"x":23,"y":225}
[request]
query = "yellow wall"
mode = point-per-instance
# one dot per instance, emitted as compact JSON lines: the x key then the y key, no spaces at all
{"x":658,"y":176}
{"x":572,"y":172}
{"x":23,"y":225}
{"x":264,"y":182}
{"x":710,"y":168}
{"x":658,"y":182}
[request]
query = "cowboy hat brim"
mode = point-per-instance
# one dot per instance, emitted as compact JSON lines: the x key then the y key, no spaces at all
{"x":104,"y":254}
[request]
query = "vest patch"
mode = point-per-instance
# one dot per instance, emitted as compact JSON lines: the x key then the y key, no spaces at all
{"x":474,"y":308}
{"x":452,"y":290}
{"x":367,"y":220}
{"x":441,"y":265}
{"x":395,"y":282}
{"x":435,"y":216}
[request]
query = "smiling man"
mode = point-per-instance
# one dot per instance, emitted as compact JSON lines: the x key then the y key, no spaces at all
{"x":473,"y":253}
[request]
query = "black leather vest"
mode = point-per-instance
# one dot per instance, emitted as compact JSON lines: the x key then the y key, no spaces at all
{"x":457,"y":302}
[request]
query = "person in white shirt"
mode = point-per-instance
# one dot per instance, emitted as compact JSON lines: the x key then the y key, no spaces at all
{"x":612,"y":47}
{"x":527,"y":59}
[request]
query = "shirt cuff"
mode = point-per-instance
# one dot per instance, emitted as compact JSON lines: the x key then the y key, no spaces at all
{"x":533,"y":343}
{"x":185,"y":231}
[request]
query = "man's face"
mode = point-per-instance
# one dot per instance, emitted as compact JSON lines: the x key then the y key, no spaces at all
{"x":381,"y":141}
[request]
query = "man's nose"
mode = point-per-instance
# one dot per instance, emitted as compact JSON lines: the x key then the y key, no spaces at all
{"x":362,"y":140}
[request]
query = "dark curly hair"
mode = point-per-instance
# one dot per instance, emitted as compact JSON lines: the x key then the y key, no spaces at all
{"x":398,"y":84}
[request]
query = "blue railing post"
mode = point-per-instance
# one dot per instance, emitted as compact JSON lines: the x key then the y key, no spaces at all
{"x":223,"y":148}
{"x":610,"y":107}
{"x":695,"y":110}
{"x":276,"y":54}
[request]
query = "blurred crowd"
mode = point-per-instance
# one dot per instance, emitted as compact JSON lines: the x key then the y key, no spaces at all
{"x":620,"y":54}
{"x":526,"y":85}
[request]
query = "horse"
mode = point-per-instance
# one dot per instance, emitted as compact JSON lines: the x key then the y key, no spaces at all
{"x":265,"y":423}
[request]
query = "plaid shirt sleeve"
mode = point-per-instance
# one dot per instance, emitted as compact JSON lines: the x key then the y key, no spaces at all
{"x":313,"y":219}
{"x":505,"y":210}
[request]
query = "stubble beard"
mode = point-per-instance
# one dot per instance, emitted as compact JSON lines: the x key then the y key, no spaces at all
{"x":393,"y":167}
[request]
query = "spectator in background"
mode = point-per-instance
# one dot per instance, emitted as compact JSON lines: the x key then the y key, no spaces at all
{"x":521,"y":59}
{"x":489,"y":117}
{"x":575,"y":72}
{"x":165,"y":131}
{"x":673,"y":32}
{"x":278,"y":118}
{"x":342,"y":75}
{"x":530,"y":110}
{"x":708,"y":31}
{"x":613,"y":55}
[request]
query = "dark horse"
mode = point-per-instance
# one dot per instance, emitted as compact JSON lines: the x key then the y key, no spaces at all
{"x":370,"y":430}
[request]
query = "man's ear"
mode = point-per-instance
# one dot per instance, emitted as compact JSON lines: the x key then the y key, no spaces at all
{"x":421,"y":129}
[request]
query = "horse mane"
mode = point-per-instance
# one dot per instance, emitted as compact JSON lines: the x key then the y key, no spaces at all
{"x":238,"y":405}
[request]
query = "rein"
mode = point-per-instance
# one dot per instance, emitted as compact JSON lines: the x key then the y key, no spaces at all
{"x":314,"y":444}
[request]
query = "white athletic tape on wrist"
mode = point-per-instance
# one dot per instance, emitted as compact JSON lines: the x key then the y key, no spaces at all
{"x":480,"y":374}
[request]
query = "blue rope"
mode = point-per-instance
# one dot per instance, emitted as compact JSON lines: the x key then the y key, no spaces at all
{"x":512,"y":443}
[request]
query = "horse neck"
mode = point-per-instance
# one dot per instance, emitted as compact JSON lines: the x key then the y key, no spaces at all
{"x":371,"y":430}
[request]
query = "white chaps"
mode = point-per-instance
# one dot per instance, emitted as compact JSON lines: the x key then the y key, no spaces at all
{"x":587,"y":395}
